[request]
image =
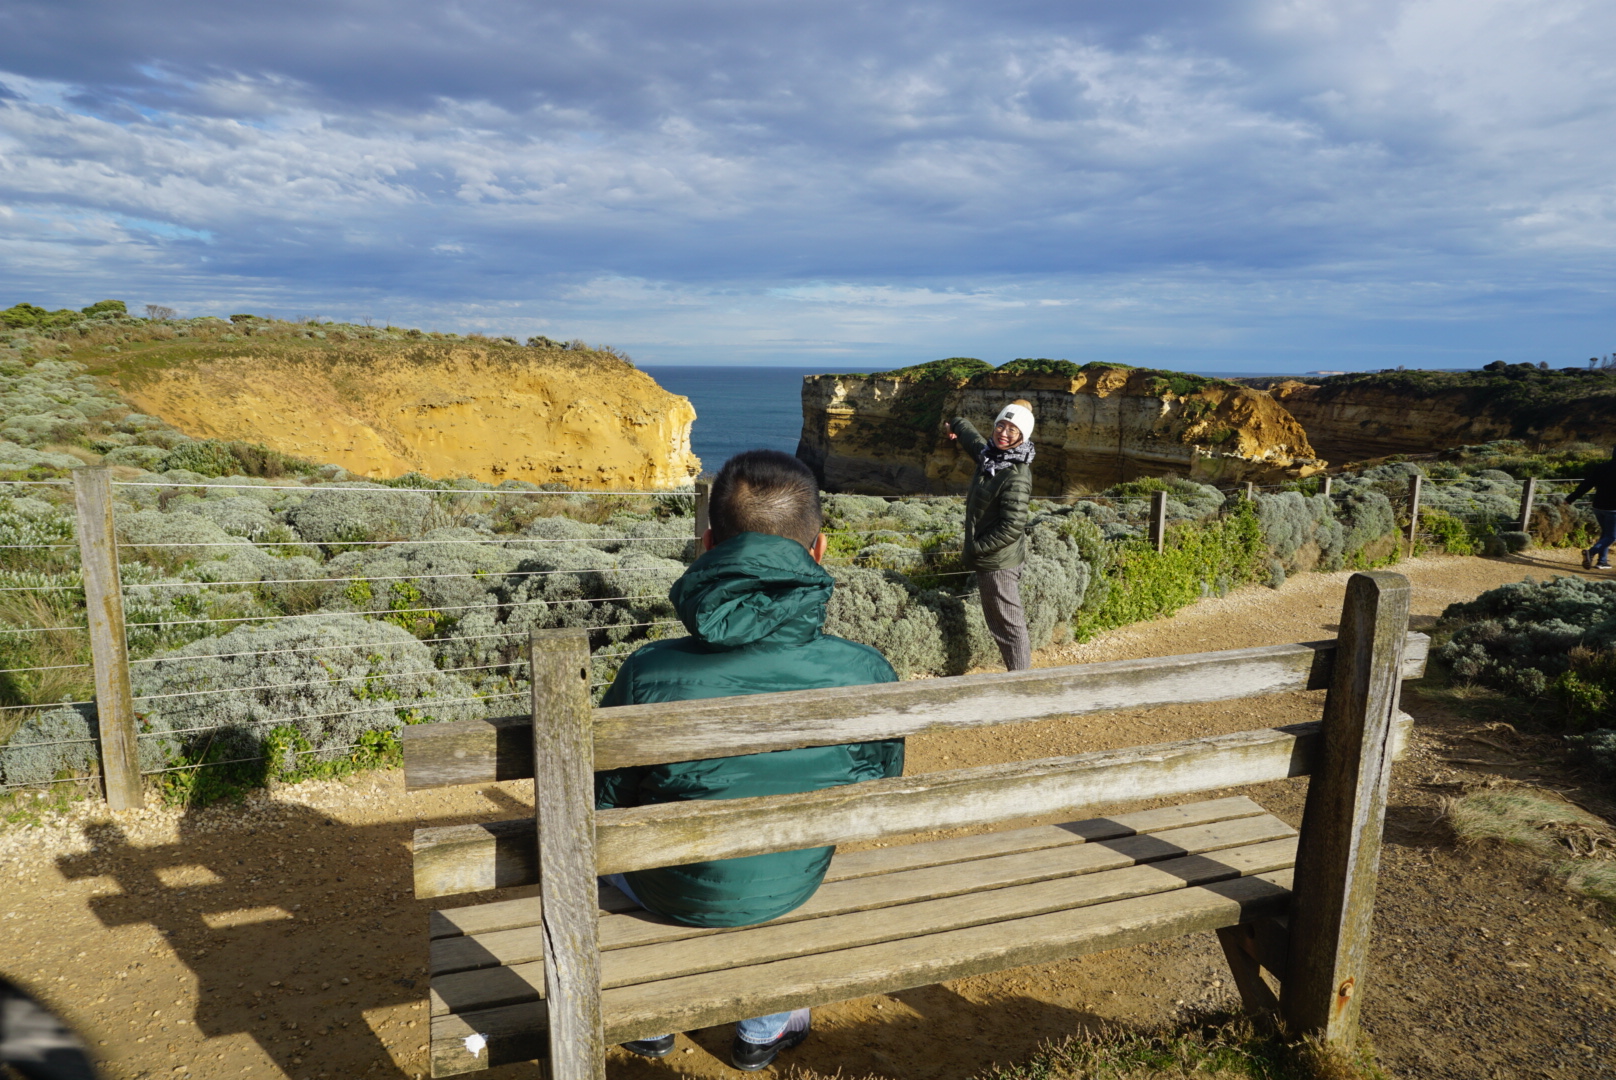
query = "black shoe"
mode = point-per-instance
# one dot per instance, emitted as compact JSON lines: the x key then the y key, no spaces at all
{"x":651,"y":1048}
{"x":1587,"y":558}
{"x":750,"y":1057}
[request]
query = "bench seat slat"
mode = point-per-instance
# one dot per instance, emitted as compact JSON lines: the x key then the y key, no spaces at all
{"x":885,"y":860}
{"x":525,"y":944}
{"x":516,"y":1032}
{"x":746,"y":946}
{"x":509,"y":914}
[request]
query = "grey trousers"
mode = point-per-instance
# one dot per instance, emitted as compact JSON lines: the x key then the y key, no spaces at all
{"x":1001,"y":606}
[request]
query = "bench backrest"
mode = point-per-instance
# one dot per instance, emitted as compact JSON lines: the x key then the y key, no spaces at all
{"x":460,"y":859}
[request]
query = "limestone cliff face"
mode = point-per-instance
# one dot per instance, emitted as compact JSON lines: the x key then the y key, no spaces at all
{"x":1097,"y":425}
{"x":488,"y":411}
{"x":1363,"y":417}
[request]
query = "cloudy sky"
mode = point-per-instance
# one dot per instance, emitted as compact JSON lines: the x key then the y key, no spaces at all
{"x":1268,"y":185}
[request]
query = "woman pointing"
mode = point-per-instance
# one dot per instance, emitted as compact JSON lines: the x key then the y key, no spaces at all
{"x":996,"y":523}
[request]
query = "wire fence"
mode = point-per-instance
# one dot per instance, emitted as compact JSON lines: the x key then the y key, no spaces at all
{"x":455,"y":624}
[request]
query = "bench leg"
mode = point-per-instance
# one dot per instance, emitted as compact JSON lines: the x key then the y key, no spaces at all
{"x":1240,"y":949}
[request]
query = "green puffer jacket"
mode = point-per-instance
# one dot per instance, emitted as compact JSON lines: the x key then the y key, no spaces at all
{"x":754,"y":606}
{"x":995,"y":508}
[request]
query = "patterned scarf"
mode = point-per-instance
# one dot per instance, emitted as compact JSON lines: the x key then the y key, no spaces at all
{"x":992,"y":459}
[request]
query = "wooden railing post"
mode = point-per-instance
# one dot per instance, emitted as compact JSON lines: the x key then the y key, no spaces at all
{"x":1413,"y":510}
{"x":1338,"y":852}
{"x":1158,"y":519}
{"x":704,"y":492}
{"x":1326,"y":490}
{"x":1251,"y":491}
{"x":109,"y":650}
{"x":564,"y":800}
{"x":1528,"y":494}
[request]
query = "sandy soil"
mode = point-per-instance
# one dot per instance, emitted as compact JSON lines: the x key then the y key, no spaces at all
{"x":279,"y":937}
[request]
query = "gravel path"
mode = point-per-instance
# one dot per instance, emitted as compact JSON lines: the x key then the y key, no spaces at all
{"x":279,"y":937}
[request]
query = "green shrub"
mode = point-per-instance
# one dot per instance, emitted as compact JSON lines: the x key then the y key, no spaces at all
{"x":1449,"y":533}
{"x":1199,"y":560}
{"x":213,"y":457}
{"x":1552,"y":641}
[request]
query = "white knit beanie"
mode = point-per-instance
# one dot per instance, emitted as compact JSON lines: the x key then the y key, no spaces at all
{"x":1018,"y":415}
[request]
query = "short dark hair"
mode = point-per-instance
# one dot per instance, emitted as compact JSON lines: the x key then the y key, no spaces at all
{"x":765,"y":491}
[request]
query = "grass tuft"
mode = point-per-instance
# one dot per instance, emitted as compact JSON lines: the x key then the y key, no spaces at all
{"x":1220,"y":1047}
{"x":1516,"y":818}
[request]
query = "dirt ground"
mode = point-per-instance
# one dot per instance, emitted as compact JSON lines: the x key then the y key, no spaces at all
{"x":279,"y":937}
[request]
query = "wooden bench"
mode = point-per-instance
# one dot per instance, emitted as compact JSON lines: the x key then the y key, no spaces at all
{"x":567,"y":973}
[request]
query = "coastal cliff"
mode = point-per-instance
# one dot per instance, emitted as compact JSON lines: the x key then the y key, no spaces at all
{"x":1358,"y":417}
{"x":482,"y":409}
{"x":1098,"y":425}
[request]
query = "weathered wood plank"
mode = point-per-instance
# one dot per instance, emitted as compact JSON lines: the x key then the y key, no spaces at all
{"x":482,"y":1040}
{"x":504,"y":914}
{"x":1339,"y":855}
{"x":696,"y":1001}
{"x":524,"y":944}
{"x":564,"y":798}
{"x":670,"y":834}
{"x":481,"y":751}
{"x":918,"y":923}
{"x":846,"y":865}
{"x":109,"y":650}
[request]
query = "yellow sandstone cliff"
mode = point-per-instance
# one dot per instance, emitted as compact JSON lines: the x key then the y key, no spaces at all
{"x":463,"y":408}
{"x":1097,"y":425}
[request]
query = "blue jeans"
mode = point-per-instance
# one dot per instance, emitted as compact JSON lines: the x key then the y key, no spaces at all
{"x":757,"y":1030}
{"x":1607,"y":534}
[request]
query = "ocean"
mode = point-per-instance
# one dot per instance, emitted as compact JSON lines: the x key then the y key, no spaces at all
{"x":748,"y":408}
{"x":740,"y":408}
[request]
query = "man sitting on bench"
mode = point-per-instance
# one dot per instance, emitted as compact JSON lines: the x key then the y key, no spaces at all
{"x":754,"y":604}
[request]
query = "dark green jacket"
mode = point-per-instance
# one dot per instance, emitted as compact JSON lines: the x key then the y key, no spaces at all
{"x":995,"y":508}
{"x":754,"y":606}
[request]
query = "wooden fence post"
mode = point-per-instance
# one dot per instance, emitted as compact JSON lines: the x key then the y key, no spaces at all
{"x":1528,"y":494}
{"x":1413,"y":510}
{"x":1338,"y":852}
{"x":109,"y":650}
{"x":704,"y":492}
{"x":1158,"y":520}
{"x":1326,"y":491}
{"x":1251,"y":491}
{"x":564,"y":799}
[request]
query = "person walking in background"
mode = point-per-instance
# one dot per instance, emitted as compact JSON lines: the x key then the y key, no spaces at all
{"x":754,"y":604}
{"x":1601,"y":480}
{"x":995,"y":543}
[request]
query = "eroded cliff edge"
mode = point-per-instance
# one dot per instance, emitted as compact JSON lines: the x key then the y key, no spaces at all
{"x":1358,"y":417}
{"x":1098,"y":425}
{"x":464,"y":408}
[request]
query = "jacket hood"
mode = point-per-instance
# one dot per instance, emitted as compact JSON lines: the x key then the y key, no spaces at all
{"x":753,"y":588}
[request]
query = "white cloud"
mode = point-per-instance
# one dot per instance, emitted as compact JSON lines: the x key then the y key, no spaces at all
{"x":703,"y":178}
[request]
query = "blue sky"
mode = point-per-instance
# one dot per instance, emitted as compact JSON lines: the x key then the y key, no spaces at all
{"x":1255,"y":186}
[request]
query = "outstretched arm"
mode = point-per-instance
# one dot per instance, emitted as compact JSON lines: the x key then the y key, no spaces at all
{"x":969,"y":439}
